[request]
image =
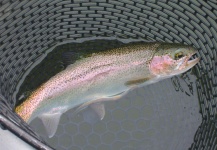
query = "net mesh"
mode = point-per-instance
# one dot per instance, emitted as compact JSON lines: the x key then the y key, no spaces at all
{"x":28,"y":29}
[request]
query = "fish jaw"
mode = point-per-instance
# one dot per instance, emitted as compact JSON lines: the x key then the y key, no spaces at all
{"x":166,"y":66}
{"x":186,"y":66}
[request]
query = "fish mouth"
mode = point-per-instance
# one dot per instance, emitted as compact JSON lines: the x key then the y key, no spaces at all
{"x":189,"y":63}
{"x":192,"y":61}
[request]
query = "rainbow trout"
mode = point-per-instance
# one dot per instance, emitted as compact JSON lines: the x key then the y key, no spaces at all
{"x":104,"y":76}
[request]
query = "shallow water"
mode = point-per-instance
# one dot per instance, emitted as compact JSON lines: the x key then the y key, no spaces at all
{"x":164,"y":115}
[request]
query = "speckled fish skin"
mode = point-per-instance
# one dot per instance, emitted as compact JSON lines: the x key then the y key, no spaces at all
{"x":105,"y":74}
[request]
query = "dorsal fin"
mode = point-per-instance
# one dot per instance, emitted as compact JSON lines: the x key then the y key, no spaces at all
{"x":50,"y":122}
{"x":70,"y":57}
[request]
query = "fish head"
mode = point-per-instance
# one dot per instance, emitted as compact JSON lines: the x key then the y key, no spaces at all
{"x":172,"y":59}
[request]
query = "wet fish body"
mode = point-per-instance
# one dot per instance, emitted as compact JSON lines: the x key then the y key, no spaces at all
{"x":102,"y":76}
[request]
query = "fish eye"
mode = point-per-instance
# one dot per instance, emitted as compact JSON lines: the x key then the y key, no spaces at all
{"x":179,"y":55}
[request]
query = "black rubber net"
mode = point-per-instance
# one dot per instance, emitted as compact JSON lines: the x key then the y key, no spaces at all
{"x":31,"y":29}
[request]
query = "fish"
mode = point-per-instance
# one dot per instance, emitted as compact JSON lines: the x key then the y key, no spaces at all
{"x":104,"y":76}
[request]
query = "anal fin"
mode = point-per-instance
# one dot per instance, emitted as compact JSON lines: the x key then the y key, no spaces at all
{"x":50,"y":122}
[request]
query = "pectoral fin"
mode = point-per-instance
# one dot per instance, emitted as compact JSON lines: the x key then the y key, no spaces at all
{"x":50,"y":122}
{"x":136,"y":81}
